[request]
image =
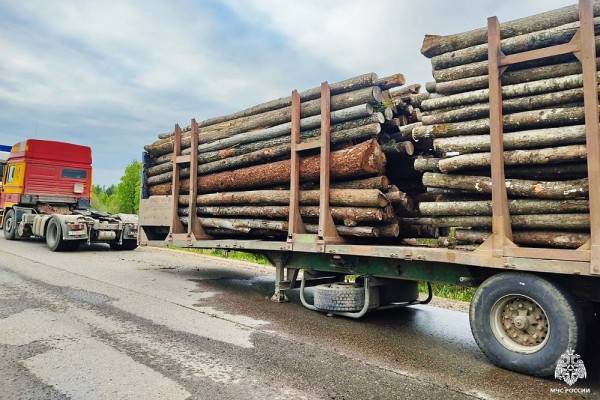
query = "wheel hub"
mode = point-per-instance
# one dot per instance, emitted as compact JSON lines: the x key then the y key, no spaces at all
{"x":520,"y":324}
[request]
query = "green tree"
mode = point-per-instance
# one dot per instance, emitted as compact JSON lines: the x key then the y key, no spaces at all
{"x":128,"y":190}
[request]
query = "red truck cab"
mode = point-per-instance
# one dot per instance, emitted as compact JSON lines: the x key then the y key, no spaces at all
{"x":47,"y":172}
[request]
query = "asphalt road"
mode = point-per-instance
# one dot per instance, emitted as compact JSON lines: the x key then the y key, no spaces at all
{"x":160,"y":324}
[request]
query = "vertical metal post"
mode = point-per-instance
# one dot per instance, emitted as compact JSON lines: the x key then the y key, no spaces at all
{"x":176,"y":225}
{"x":195,"y":229}
{"x":587,"y":56}
{"x":327,"y":231}
{"x":295,"y":221}
{"x":501,"y":225}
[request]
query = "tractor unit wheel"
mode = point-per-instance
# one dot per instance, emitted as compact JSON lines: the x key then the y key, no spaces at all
{"x":54,"y":239}
{"x":10,"y":225}
{"x":128,"y":244}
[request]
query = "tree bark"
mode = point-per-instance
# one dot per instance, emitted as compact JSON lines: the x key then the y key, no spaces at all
{"x":393,"y":147}
{"x":535,"y":221}
{"x":337,"y":197}
{"x":434,"y":45}
{"x":361,"y":160}
{"x":516,"y":44}
{"x":572,"y":189}
{"x":389,"y":82}
{"x":246,"y":225}
{"x":424,"y":164}
{"x":567,"y":240}
{"x":550,"y":117}
{"x":515,"y":157}
{"x":381,"y":183}
{"x":204,"y":157}
{"x":534,"y":138}
{"x":262,"y":156}
{"x":371,"y":95}
{"x":508,"y":78}
{"x":481,"y":110}
{"x":484,"y":207}
{"x":349,"y":216}
{"x":166,"y":146}
{"x":538,"y":87}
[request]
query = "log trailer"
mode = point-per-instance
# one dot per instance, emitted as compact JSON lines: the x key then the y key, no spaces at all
{"x":532,"y":304}
{"x":45,"y":193}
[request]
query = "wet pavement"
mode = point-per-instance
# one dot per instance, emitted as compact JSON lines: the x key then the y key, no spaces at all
{"x":162,"y":324}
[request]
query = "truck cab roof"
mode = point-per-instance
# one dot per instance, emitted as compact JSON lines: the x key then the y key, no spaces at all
{"x":50,"y":150}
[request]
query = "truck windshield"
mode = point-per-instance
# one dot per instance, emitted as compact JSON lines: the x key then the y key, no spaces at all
{"x":74,"y":173}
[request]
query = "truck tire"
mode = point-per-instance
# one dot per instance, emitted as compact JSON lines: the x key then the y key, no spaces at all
{"x":523,"y":322}
{"x":10,"y":225}
{"x":343,"y":297}
{"x":54,"y":239}
{"x":128,"y":244}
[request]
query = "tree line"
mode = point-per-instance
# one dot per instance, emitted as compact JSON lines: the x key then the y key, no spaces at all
{"x":123,"y":197}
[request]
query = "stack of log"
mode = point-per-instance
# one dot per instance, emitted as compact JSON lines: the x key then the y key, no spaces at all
{"x":544,"y":139}
{"x":244,"y":162}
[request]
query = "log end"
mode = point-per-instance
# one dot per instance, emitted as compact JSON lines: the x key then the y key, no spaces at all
{"x":430,"y":45}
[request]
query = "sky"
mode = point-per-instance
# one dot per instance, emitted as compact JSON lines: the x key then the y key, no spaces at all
{"x":114,"y":74}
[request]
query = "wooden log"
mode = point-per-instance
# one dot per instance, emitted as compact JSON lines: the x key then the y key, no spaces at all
{"x":347,"y":85}
{"x":424,"y":164}
{"x":393,"y":147}
{"x":566,"y":171}
{"x":363,"y":159}
{"x":534,"y":221}
{"x":484,"y":207}
{"x":259,"y":157}
{"x":508,"y":92}
{"x":381,"y":183}
{"x":246,"y":225}
{"x":481,"y":110}
{"x":360,"y":111}
{"x":572,"y":189}
{"x":204,"y":157}
{"x":549,"y":155}
{"x":401,"y":200}
{"x":371,"y":95}
{"x":566,"y":240}
{"x":549,"y":117}
{"x":510,"y":77}
{"x":516,"y":44}
{"x":349,"y":216}
{"x":434,"y":45}
{"x":337,"y":197}
{"x":405,"y":90}
{"x":513,"y":140}
{"x":389,"y":82}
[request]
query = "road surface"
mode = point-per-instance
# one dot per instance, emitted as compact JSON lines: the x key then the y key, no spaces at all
{"x":161,"y":324}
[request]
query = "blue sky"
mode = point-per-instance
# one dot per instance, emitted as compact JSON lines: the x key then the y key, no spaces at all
{"x":113,"y":75}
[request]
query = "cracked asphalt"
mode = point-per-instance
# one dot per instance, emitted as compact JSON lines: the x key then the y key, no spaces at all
{"x":161,"y":324}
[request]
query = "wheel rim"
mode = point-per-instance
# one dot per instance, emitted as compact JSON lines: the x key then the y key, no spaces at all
{"x":520,"y":324}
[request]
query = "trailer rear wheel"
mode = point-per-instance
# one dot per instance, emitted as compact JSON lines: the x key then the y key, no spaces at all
{"x":54,"y":239}
{"x":128,"y":244}
{"x":10,"y":225}
{"x":524,"y":322}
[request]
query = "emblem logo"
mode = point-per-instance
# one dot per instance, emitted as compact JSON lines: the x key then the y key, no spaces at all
{"x":570,"y":368}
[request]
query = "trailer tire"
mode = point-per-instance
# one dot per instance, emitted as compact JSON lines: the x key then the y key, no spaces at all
{"x":10,"y":225}
{"x":523,"y":322}
{"x":128,"y":245}
{"x":54,"y":239}
{"x":343,"y":297}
